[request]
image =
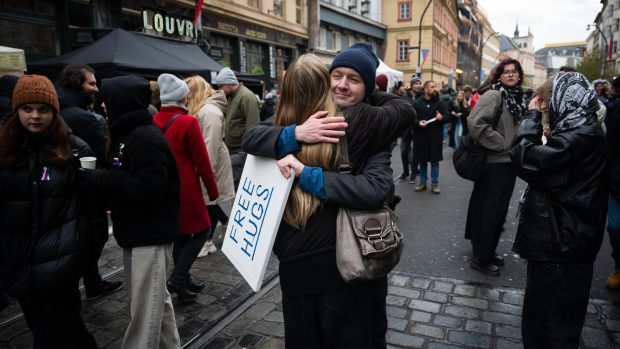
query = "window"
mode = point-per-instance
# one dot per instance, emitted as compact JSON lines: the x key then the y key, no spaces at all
{"x":404,"y":11}
{"x":277,"y":8}
{"x":298,"y":11}
{"x":322,"y":38}
{"x":254,"y":3}
{"x":403,"y":50}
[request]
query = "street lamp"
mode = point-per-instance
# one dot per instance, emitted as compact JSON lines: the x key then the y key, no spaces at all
{"x":482,"y":56}
{"x":419,"y":68}
{"x":606,"y":47}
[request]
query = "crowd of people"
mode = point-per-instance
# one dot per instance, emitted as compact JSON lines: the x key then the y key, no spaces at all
{"x":166,"y":165}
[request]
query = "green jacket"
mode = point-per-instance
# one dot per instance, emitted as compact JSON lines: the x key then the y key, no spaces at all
{"x":242,"y":114}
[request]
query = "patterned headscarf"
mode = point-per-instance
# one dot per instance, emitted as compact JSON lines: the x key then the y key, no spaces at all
{"x":514,"y":100}
{"x":573,"y":101}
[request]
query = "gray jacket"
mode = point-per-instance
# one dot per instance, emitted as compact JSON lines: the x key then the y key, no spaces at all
{"x":480,"y":123}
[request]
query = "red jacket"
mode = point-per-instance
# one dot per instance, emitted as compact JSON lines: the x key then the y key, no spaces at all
{"x":190,"y":152}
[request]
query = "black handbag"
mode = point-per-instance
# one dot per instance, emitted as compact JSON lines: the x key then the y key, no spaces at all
{"x":469,"y":158}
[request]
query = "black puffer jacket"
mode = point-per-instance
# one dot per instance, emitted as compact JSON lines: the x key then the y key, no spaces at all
{"x":143,"y":187}
{"x":83,"y":123}
{"x":564,"y":210}
{"x":612,"y":121}
{"x":43,"y":223}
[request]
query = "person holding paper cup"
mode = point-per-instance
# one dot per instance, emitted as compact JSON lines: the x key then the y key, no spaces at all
{"x":44,"y":223}
{"x":428,"y":135}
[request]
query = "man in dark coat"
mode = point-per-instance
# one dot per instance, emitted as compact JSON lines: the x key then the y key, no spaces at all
{"x":76,"y":88}
{"x":428,"y":135}
{"x":142,"y":190}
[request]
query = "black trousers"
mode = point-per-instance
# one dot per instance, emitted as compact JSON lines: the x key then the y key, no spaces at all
{"x":352,"y":317}
{"x":91,"y":276}
{"x":488,"y":206}
{"x":237,"y":162}
{"x":555,"y":304}
{"x":184,"y":252}
{"x":405,"y":152}
{"x":55,"y":320}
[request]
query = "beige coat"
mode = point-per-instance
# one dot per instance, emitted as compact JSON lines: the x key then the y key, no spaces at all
{"x":480,"y":123}
{"x":211,"y":120}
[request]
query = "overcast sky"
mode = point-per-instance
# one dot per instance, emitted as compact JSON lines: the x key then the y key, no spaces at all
{"x":550,"y":21}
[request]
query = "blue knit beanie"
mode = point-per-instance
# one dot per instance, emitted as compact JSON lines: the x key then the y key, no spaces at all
{"x":362,"y":59}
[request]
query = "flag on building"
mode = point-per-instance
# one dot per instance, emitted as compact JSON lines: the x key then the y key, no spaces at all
{"x":197,"y":22}
{"x":425,"y":52}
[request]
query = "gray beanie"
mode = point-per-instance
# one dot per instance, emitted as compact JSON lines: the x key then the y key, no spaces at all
{"x":171,"y":88}
{"x":226,"y":77}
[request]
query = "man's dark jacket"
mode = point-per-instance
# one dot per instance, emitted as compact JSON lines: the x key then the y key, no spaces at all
{"x":83,"y":123}
{"x":562,"y":218}
{"x":427,"y":141}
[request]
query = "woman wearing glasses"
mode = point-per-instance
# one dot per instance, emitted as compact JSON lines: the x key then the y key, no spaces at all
{"x":501,"y":95}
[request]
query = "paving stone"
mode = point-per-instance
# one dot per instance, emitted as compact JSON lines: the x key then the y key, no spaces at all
{"x":250,"y":341}
{"x":420,"y":316}
{"x":478,"y":326}
{"x":512,"y":298}
{"x":100,"y":320}
{"x":471,"y":340}
{"x":500,"y":318}
{"x":594,"y":338}
{"x":508,"y":331}
{"x":237,"y":327}
{"x":223,"y":278}
{"x":465,"y":290}
{"x":403,"y":292}
{"x":269,"y":328}
{"x":444,"y":287}
{"x":458,"y":311}
{"x":435,"y":345}
{"x":190,"y":328}
{"x":259,"y":310}
{"x":471,"y":302}
{"x":275,"y":316}
{"x":592,"y":309}
{"x":429,"y":307}
{"x":220,"y":343}
{"x":613,"y":325}
{"x":397,"y":324}
{"x":420,"y":283}
{"x":111,"y":306}
{"x":435,"y":296}
{"x":395,"y":300}
{"x":505,"y":308}
{"x":398,"y":280}
{"x":428,"y":331}
{"x":211,"y":312}
{"x":594,"y":321}
{"x":104,"y":338}
{"x":205,"y":299}
{"x":273,"y":343}
{"x":611,"y":311}
{"x":404,"y":340}
{"x":274,"y":295}
{"x":489,"y":294}
{"x":396,"y":312}
{"x":508,"y":344}
{"x":447,"y":321}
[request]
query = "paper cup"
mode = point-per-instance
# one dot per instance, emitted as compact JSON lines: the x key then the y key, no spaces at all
{"x":89,"y":162}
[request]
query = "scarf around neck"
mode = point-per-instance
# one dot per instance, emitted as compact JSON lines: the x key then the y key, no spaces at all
{"x":573,"y":101}
{"x":514,"y":100}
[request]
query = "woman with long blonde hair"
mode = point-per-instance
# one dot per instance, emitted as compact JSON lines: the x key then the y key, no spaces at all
{"x":209,"y":107}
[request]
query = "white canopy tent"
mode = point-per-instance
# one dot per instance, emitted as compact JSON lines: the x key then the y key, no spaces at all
{"x":393,"y":75}
{"x":12,"y":61}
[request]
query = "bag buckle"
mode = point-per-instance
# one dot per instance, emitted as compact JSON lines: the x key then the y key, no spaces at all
{"x":373,"y":231}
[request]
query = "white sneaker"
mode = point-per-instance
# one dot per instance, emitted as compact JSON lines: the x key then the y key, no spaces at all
{"x":207,"y":248}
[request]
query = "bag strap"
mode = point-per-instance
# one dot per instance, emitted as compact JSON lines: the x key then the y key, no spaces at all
{"x":170,"y":123}
{"x":498,"y":114}
{"x":345,"y":166}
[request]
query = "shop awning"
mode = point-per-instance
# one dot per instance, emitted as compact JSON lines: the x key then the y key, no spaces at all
{"x":122,"y":52}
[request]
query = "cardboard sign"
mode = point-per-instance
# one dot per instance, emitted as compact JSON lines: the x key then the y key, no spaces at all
{"x":255,"y":218}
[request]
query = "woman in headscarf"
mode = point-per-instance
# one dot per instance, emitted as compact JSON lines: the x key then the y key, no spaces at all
{"x":563,"y":211}
{"x":488,"y":204}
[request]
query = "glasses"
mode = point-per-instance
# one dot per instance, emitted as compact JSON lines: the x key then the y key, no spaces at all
{"x":510,"y":72}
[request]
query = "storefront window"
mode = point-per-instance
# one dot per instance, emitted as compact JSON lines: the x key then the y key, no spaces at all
{"x":47,"y":7}
{"x":282,"y":60}
{"x":38,"y":41}
{"x":19,"y":5}
{"x":255,"y":58}
{"x":222,"y":50}
{"x":80,"y":14}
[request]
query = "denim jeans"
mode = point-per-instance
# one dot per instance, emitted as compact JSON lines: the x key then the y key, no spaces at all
{"x":152,"y":323}
{"x":405,"y":151}
{"x":458,"y":132}
{"x":434,"y":172}
{"x":613,"y":228}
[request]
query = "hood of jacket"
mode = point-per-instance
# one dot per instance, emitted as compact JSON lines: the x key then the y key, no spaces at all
{"x":124,"y":94}
{"x":69,"y":98}
{"x":219,"y":100}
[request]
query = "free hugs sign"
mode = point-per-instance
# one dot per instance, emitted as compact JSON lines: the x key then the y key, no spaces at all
{"x":255,"y":218}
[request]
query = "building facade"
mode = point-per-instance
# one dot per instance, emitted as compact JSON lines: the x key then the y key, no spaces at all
{"x":422,"y":39}
{"x":606,"y":37}
{"x":554,"y":56}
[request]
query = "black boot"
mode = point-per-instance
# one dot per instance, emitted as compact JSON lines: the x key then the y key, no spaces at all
{"x":180,"y":289}
{"x":194,"y":286}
